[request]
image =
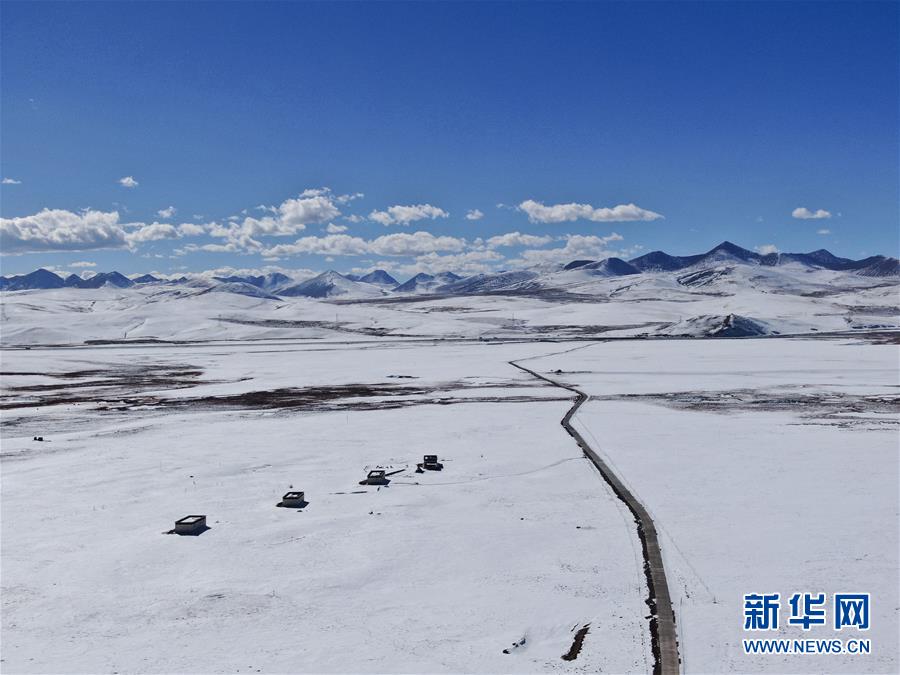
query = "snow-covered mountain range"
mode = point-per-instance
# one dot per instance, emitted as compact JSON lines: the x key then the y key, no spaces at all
{"x":726,"y":292}
{"x":692,"y":270}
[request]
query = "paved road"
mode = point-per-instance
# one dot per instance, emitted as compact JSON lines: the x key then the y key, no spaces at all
{"x":664,"y":638}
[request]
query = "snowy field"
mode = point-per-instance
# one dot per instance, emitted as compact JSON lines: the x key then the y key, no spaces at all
{"x":768,"y":465}
{"x":517,"y":538}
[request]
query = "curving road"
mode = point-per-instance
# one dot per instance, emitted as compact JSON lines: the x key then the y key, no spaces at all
{"x":664,"y":638}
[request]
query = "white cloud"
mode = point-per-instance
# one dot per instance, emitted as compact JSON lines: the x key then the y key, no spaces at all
{"x":315,"y":205}
{"x":83,"y":263}
{"x":561,"y":213}
{"x":227,"y":271}
{"x":346,"y":199}
{"x":128,"y":181}
{"x":354,"y":218}
{"x":578,"y":246}
{"x":335,"y":229}
{"x":190,"y":230}
{"x":823,"y":231}
{"x":11,"y":181}
{"x":766,"y":249}
{"x":474,"y":214}
{"x":61,"y":230}
{"x":470,"y":262}
{"x":315,"y":208}
{"x":167,"y":212}
{"x":404,"y":215}
{"x":403,"y":244}
{"x":332,"y":244}
{"x":518,"y":239}
{"x":151,"y":232}
{"x":399,"y":244}
{"x":804,"y":213}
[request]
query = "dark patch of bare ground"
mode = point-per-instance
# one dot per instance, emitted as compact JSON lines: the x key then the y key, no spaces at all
{"x":121,"y":389}
{"x":339,"y":326}
{"x":828,"y":408}
{"x":884,"y":337}
{"x":97,"y":384}
{"x":525,"y":328}
{"x":577,"y":643}
{"x":590,"y":329}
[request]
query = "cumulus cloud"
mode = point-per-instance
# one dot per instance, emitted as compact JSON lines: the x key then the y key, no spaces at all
{"x":61,"y":230}
{"x":561,"y":213}
{"x":167,"y":212}
{"x":517,"y":239}
{"x":335,"y":229}
{"x":766,"y":249}
{"x":227,"y":271}
{"x":583,"y":246}
{"x":316,"y":205}
{"x":308,"y":208}
{"x":190,"y":230}
{"x":470,"y":262}
{"x":399,"y":244}
{"x":346,"y":199}
{"x":129,"y":182}
{"x":404,"y":215}
{"x":403,"y":244}
{"x":152,"y":232}
{"x":474,"y":214}
{"x":83,"y":263}
{"x":11,"y":181}
{"x":823,"y":231}
{"x":332,"y":244}
{"x":804,"y":213}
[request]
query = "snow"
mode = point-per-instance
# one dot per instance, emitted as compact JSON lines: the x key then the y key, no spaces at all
{"x":802,"y":498}
{"x":437,"y":572}
{"x":768,"y":464}
{"x":573,"y":303}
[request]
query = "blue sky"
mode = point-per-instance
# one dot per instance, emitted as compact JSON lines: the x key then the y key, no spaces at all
{"x":598,"y":128}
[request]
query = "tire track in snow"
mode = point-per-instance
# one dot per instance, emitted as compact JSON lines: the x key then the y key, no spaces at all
{"x":663,"y":636}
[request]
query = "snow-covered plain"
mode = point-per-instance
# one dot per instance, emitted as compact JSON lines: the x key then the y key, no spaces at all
{"x":439,"y":572}
{"x":769,"y":465}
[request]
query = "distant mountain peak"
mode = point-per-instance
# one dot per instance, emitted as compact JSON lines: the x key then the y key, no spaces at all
{"x":575,"y":264}
{"x":145,"y":279}
{"x":379,"y":277}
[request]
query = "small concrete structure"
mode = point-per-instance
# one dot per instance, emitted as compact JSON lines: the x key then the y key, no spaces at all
{"x":192,"y":525}
{"x":431,"y":463}
{"x":293,"y":500}
{"x":376,"y":477}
